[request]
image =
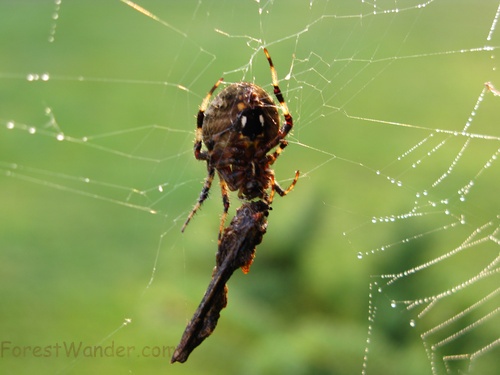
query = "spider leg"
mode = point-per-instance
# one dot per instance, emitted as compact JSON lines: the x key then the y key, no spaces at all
{"x":287,"y":126}
{"x":282,"y":192}
{"x":225,"y":202}
{"x":272,"y":158}
{"x":198,"y":154}
{"x":203,"y":196}
{"x":279,"y":140}
{"x":278,"y":189}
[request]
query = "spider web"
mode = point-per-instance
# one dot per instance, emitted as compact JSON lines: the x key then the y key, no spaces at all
{"x":384,"y":258}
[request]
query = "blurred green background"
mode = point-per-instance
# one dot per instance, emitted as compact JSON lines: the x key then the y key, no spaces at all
{"x":81,"y":254}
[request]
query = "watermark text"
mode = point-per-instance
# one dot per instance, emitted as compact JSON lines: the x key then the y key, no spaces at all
{"x":72,"y":349}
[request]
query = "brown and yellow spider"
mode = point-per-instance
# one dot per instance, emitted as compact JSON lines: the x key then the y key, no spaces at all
{"x":239,"y":127}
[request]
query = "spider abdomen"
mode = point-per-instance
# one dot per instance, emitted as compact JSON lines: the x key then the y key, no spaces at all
{"x":239,"y":122}
{"x":241,"y":109}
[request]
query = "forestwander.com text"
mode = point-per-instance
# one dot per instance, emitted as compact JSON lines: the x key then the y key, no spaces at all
{"x":78,"y":349}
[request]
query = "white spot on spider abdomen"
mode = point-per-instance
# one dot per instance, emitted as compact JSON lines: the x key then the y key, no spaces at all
{"x":261,"y":120}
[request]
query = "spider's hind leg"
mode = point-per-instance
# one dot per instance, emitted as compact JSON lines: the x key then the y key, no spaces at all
{"x":203,"y":196}
{"x":278,"y":189}
{"x":225,"y":202}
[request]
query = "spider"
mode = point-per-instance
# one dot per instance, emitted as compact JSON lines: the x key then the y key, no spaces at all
{"x":239,"y":127}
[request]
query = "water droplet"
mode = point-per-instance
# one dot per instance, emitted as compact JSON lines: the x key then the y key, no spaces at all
{"x":160,"y":188}
{"x":412,"y":323}
{"x":32,"y":77}
{"x":60,"y":137}
{"x":45,"y":77}
{"x":393,"y":304}
{"x":360,"y":255}
{"x":10,"y":125}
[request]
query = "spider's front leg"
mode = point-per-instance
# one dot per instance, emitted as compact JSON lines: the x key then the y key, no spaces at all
{"x":272,"y":157}
{"x":198,"y":154}
{"x":288,"y":125}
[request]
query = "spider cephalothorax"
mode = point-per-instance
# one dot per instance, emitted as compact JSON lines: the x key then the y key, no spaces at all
{"x":239,"y":127}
